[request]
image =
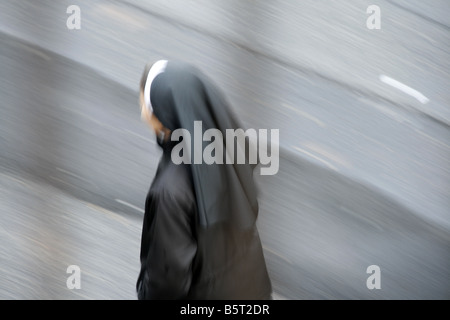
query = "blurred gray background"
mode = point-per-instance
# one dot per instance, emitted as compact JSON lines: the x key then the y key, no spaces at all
{"x":364,"y":173}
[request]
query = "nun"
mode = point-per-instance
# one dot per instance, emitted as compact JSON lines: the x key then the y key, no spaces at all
{"x":199,"y":237}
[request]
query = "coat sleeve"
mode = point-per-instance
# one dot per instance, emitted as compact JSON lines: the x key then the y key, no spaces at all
{"x":170,"y":246}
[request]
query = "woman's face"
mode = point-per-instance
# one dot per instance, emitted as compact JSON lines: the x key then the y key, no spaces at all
{"x":150,"y":118}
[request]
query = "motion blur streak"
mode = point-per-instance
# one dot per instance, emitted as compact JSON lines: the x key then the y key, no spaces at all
{"x":364,"y":172}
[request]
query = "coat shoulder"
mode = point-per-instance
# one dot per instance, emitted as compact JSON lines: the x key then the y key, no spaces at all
{"x":175,"y":182}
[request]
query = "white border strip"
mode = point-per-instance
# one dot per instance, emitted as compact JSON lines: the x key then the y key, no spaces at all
{"x":157,"y":68}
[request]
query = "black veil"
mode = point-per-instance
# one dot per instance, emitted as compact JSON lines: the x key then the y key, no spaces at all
{"x":180,"y":94}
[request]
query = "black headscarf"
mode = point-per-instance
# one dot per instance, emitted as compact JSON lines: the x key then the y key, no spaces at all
{"x":180,"y":94}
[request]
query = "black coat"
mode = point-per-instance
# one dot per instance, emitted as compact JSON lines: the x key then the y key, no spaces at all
{"x":180,"y":259}
{"x":199,"y":237}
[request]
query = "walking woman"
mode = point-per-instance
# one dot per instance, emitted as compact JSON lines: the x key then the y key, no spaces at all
{"x":199,"y":236}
